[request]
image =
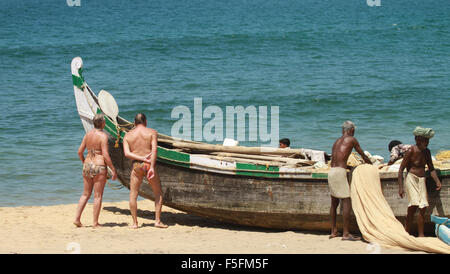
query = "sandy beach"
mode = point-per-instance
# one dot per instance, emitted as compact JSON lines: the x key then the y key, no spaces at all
{"x":49,"y":230}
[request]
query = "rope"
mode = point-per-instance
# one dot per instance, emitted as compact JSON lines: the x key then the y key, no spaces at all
{"x":119,"y":129}
{"x":115,"y":187}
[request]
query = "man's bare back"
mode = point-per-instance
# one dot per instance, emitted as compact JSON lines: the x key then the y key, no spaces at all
{"x":342,"y":149}
{"x":140,"y":141}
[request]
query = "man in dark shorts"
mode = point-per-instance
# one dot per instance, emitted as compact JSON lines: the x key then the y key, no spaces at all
{"x":337,"y":178}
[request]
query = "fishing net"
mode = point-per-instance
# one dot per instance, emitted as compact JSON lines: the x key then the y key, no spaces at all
{"x":375,"y":218}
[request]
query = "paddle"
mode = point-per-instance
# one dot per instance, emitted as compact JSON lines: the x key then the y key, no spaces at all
{"x":108,"y":105}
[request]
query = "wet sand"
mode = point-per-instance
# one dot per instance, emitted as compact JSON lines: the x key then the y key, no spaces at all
{"x":49,"y":230}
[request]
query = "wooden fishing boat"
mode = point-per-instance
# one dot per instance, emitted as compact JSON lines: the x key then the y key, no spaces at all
{"x":249,"y":186}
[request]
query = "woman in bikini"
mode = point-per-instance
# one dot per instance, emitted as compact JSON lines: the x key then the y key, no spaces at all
{"x":94,"y":168}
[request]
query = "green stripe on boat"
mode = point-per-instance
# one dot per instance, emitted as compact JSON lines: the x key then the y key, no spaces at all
{"x":173,"y":157}
{"x":444,"y":172}
{"x":319,"y":175}
{"x":252,"y":170}
{"x":77,"y":81}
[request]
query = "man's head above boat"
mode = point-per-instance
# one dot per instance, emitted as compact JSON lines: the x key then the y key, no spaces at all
{"x":392,"y":144}
{"x":140,"y":119}
{"x":284,"y":143}
{"x":348,"y":127}
{"x":99,"y":121}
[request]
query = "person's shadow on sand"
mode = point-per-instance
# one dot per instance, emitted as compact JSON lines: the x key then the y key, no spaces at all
{"x":169,"y":218}
{"x":185,"y":219}
{"x":182,"y":219}
{"x":115,"y":224}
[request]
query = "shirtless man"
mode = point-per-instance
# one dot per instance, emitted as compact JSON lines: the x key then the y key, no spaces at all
{"x":414,"y":161}
{"x":140,"y":145}
{"x":94,"y":168}
{"x":337,"y":178}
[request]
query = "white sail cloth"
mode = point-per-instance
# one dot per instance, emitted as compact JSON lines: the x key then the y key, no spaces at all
{"x":375,"y":218}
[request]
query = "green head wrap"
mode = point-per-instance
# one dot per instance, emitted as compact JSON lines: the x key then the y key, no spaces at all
{"x":424,"y":132}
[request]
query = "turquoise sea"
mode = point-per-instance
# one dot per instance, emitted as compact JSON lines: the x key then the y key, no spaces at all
{"x":387,"y":68}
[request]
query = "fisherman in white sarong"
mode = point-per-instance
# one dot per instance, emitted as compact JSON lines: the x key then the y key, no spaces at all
{"x":337,"y":178}
{"x":414,"y":161}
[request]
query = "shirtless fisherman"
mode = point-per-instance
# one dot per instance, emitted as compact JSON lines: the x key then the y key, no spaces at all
{"x":94,"y":168}
{"x":337,"y":178}
{"x":140,"y":145}
{"x":414,"y":161}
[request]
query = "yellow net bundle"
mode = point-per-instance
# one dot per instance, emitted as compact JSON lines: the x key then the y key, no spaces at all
{"x":354,"y":160}
{"x":443,"y":155}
